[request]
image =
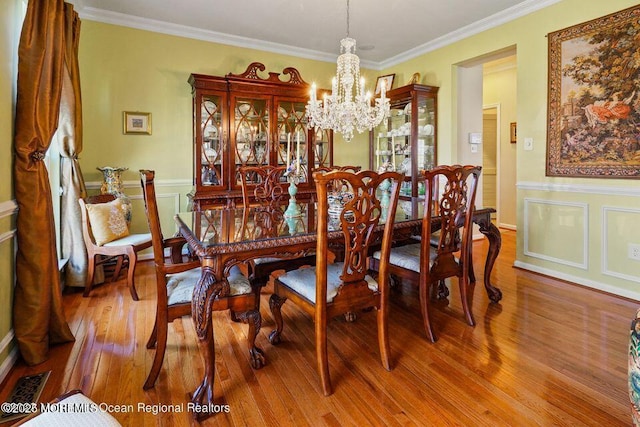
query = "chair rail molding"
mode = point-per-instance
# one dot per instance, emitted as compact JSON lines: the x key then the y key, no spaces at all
{"x":8,"y":208}
{"x":95,"y":185}
{"x":579,"y":188}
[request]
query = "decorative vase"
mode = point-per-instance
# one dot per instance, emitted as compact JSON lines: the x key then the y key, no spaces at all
{"x":112,"y":184}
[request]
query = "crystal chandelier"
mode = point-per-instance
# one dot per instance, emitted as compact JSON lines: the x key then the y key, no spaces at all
{"x":347,"y":107}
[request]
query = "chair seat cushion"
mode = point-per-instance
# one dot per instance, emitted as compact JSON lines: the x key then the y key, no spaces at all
{"x":266,"y":260}
{"x":131,"y":239}
{"x":407,"y":257}
{"x":180,"y":285}
{"x":303,"y":281}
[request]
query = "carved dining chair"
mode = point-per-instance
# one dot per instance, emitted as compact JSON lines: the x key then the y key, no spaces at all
{"x":429,"y":262}
{"x":335,"y":186}
{"x":106,"y":237}
{"x":263,"y":188}
{"x":328,"y":290}
{"x":263,"y":185}
{"x":176,"y":280}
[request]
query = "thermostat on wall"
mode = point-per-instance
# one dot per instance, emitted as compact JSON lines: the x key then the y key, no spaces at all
{"x":475,"y":137}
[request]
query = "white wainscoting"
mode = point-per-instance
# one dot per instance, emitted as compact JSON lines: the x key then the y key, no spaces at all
{"x":11,"y":359}
{"x":8,"y":208}
{"x":575,"y":238}
{"x":626,"y":236}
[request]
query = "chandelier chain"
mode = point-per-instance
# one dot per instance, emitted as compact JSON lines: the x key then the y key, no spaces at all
{"x":347,"y":18}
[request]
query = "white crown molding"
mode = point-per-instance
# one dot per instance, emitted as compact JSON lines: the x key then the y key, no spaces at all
{"x":7,"y":208}
{"x":579,"y":188}
{"x":156,"y":26}
{"x":107,"y":17}
{"x":487,"y":23}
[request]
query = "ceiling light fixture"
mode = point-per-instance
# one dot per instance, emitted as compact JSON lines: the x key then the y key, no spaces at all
{"x":347,"y":107}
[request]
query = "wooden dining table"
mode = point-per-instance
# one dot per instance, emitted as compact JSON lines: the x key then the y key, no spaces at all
{"x":224,"y":237}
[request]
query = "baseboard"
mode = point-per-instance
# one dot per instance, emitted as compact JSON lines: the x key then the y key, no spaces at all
{"x":603,"y":287}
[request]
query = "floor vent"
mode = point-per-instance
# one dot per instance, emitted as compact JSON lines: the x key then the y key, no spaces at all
{"x":21,"y":402}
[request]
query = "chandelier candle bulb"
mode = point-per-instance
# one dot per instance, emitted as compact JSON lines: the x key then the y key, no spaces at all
{"x":298,"y":153}
{"x":288,"y":149}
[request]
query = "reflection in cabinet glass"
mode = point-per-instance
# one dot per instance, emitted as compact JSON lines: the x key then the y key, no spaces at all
{"x":246,"y":120}
{"x":406,"y":141}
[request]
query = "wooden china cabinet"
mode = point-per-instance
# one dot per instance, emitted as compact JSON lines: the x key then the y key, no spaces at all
{"x":407,"y":140}
{"x":247,"y":120}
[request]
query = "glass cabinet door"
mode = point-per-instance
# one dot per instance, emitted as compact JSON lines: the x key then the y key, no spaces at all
{"x":250,"y":140}
{"x":321,"y":148}
{"x":211,"y":167}
{"x":426,"y":131}
{"x":406,"y":141}
{"x":292,"y":137}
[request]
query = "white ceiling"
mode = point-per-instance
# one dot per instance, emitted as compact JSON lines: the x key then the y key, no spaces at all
{"x":387,"y":31}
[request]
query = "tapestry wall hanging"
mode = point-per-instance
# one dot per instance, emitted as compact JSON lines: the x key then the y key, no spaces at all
{"x":594,"y":98}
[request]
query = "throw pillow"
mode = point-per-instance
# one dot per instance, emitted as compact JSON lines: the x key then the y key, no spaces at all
{"x":107,"y":221}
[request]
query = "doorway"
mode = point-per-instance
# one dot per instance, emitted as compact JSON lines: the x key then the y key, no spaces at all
{"x":490,"y":126}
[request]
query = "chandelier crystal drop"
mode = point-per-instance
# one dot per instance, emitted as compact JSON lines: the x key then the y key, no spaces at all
{"x":347,"y":107}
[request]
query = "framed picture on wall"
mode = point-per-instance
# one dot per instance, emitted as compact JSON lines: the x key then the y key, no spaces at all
{"x":388,"y":83}
{"x":137,"y":123}
{"x":593,"y":110}
{"x":513,"y":136}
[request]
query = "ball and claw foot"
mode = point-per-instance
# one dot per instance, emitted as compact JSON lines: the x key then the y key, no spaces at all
{"x":274,"y":337}
{"x":257,"y":358}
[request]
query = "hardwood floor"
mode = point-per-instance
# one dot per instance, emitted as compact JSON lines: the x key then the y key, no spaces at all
{"x":551,"y":353}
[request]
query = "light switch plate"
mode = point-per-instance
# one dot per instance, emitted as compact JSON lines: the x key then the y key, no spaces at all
{"x":475,"y":138}
{"x":474,"y":148}
{"x":528,"y":144}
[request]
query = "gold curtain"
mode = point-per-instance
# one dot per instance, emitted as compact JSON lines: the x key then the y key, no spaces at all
{"x":38,"y":317}
{"x":69,"y":139}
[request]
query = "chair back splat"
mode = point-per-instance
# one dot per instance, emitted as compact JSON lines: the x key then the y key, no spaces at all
{"x":263,"y":185}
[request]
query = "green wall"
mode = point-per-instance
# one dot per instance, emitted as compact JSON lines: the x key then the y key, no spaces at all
{"x":10,"y":21}
{"x":124,"y":69}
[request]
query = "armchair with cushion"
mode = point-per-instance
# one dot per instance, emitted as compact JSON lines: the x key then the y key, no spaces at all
{"x":106,"y":236}
{"x":176,"y":280}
